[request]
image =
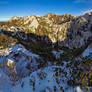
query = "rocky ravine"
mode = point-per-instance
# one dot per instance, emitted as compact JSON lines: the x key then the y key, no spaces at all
{"x":56,"y":56}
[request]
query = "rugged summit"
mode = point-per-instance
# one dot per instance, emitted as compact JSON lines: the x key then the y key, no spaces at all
{"x":68,"y":30}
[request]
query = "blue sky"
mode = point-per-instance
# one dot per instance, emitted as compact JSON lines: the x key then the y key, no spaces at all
{"x":9,"y":8}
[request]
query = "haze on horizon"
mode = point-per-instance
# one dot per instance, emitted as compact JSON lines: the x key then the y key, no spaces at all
{"x":9,"y":8}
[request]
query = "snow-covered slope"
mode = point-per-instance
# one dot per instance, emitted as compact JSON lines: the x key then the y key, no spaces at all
{"x":49,"y":79}
{"x":20,"y":72}
{"x":22,"y":58}
{"x":88,"y":51}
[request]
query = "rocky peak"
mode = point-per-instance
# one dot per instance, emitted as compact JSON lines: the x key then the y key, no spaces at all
{"x":88,"y":13}
{"x":59,"y":19}
{"x":14,"y":18}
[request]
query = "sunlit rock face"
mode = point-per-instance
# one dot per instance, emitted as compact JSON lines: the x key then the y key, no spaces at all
{"x":70,"y":31}
{"x":47,"y":25}
{"x":10,"y":64}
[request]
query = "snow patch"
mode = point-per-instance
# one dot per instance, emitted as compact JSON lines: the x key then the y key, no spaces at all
{"x":57,"y":53}
{"x":88,"y":51}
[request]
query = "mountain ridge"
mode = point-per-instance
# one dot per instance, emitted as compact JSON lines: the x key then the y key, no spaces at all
{"x":68,"y":30}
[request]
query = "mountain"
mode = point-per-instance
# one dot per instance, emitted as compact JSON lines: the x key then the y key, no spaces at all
{"x":51,"y":53}
{"x":70,"y":31}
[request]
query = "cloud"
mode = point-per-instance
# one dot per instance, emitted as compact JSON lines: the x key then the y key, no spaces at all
{"x":86,"y":11}
{"x":3,"y":2}
{"x":83,"y":1}
{"x":4,"y":19}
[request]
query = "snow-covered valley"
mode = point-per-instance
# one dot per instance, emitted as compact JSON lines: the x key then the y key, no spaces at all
{"x":21,"y":71}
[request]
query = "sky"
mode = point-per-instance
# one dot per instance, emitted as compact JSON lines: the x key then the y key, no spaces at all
{"x":9,"y":8}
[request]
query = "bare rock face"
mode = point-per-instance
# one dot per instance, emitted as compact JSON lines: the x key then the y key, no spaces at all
{"x":10,"y":64}
{"x":68,"y":30}
{"x":58,"y":19}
